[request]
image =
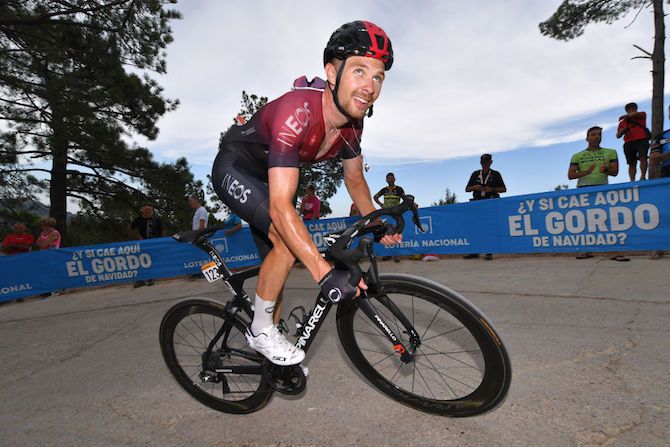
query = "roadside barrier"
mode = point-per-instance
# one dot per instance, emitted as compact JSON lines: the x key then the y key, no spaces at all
{"x":621,"y":217}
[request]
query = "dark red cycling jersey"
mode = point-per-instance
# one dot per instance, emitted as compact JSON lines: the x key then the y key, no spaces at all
{"x":284,"y":133}
{"x":289,"y":130}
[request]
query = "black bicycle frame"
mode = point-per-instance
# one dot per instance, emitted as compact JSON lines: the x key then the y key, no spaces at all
{"x":314,"y":319}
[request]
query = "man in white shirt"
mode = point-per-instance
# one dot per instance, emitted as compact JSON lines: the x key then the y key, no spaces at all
{"x":201,"y":216}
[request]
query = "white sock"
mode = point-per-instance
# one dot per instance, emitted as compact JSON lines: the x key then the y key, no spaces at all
{"x":263,"y":314}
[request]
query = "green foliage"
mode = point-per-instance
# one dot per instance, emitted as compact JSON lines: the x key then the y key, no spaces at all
{"x":69,"y":101}
{"x":167,"y":189}
{"x":326,"y":176}
{"x":572,"y":16}
{"x":449,"y":198}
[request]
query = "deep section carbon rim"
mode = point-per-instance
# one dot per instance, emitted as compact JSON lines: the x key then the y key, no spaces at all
{"x":186,"y":332}
{"x":460,"y":367}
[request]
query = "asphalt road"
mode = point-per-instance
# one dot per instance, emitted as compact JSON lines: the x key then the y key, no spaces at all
{"x":588,"y":341}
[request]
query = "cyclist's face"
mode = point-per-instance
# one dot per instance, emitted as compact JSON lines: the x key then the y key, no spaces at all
{"x":360,"y":84}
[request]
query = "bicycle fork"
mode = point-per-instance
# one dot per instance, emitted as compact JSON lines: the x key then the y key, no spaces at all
{"x":406,"y":352}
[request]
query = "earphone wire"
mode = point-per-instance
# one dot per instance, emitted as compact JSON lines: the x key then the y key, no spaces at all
{"x":360,"y":155}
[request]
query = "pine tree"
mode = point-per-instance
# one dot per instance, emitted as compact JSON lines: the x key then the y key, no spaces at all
{"x":74,"y":87}
{"x":572,"y":17}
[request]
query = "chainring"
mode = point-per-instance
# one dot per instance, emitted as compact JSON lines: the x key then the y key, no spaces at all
{"x":288,"y":380}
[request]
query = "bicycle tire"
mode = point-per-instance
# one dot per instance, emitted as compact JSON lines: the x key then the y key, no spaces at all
{"x":185,"y":333}
{"x":459,"y":350}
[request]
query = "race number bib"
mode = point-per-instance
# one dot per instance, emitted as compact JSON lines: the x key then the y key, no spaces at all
{"x":211,"y":272}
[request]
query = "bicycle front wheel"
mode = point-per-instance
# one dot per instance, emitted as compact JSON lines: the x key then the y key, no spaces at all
{"x":460,"y":366}
{"x":226,"y":375}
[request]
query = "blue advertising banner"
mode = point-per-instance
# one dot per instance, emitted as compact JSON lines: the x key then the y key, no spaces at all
{"x":622,"y":217}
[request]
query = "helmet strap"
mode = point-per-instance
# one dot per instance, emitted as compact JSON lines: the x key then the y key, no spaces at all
{"x":337,"y":87}
{"x":335,"y":90}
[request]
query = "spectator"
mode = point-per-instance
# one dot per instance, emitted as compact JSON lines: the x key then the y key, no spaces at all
{"x":354,"y":211}
{"x":49,"y":237}
{"x":233,"y":223}
{"x":19,"y":241}
{"x":201,"y":216}
{"x":485,"y":183}
{"x":146,"y":226}
{"x":593,"y":166}
{"x":660,"y":157}
{"x":310,"y":206}
{"x":392,"y":197}
{"x":633,"y":128}
{"x":660,"y":167}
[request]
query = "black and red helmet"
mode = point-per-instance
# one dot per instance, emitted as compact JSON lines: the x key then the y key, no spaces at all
{"x":359,"y":38}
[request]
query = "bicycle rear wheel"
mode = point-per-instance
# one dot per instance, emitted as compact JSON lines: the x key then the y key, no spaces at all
{"x":229,"y":377}
{"x":460,"y":368}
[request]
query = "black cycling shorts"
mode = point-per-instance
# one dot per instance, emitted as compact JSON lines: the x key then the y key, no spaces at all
{"x":636,"y":150}
{"x":241,"y":182}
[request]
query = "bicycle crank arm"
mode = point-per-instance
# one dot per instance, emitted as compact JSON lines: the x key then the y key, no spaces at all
{"x":369,"y":309}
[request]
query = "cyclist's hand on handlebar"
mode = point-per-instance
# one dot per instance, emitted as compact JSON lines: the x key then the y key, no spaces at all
{"x":336,"y":287}
{"x":391,"y":239}
{"x":386,"y":233}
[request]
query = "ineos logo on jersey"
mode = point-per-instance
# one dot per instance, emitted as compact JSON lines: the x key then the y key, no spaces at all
{"x":294,"y":125}
{"x":235,"y":189}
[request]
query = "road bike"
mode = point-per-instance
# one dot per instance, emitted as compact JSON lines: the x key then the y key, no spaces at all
{"x":415,"y":340}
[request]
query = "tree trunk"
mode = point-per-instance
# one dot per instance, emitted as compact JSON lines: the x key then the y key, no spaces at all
{"x":59,"y":142}
{"x":58,"y":186}
{"x":658,"y":71}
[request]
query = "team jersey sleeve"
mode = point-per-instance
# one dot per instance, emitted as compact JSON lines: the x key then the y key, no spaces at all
{"x":574,"y":161}
{"x":290,"y":119}
{"x":621,"y":125}
{"x":613,"y":156}
{"x":499,"y":180}
{"x":474,"y":180}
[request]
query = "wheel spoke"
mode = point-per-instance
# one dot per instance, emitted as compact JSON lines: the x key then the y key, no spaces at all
{"x":452,"y":371}
{"x":443,"y":334}
{"x":190,"y":333}
{"x":450,"y":355}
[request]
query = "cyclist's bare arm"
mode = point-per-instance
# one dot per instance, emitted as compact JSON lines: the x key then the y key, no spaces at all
{"x":283,"y":183}
{"x":359,"y":191}
{"x":357,"y":186}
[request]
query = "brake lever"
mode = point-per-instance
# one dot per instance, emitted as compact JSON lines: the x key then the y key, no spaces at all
{"x":416,"y":219}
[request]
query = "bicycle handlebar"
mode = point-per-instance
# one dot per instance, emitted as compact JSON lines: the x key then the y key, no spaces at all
{"x":338,"y":243}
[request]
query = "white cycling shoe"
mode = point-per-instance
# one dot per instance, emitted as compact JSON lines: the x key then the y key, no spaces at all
{"x":274,"y":346}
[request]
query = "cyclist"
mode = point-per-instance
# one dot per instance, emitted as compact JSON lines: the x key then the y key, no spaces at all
{"x":256,"y":171}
